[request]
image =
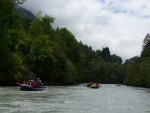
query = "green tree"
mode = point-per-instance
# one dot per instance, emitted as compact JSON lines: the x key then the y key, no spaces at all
{"x":106,"y":54}
{"x":10,"y":62}
{"x":132,"y":71}
{"x":115,"y":58}
{"x":146,"y":47}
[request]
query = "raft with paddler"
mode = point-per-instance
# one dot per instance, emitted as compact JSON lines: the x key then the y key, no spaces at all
{"x":93,"y":85}
{"x":32,"y":85}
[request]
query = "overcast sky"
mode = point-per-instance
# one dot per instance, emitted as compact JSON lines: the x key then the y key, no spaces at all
{"x":120,"y":25}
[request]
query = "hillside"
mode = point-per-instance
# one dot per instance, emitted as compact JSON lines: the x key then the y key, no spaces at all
{"x":25,"y":12}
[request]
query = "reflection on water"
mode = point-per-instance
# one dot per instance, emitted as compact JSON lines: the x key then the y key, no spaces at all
{"x":76,"y":99}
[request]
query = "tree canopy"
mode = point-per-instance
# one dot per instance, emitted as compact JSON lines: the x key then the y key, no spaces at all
{"x":31,"y":47}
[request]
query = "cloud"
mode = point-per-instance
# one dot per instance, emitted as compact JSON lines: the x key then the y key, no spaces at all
{"x":120,"y":25}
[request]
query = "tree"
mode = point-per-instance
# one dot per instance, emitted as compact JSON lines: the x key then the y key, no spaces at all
{"x":132,"y":71}
{"x":106,"y":54}
{"x":10,"y":62}
{"x":146,"y":47}
{"x":116,"y":59}
{"x":54,"y":55}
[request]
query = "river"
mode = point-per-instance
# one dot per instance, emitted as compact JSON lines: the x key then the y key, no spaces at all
{"x":76,"y":99}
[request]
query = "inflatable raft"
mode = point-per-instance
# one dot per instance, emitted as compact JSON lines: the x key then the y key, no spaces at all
{"x":93,"y":85}
{"x":25,"y":87}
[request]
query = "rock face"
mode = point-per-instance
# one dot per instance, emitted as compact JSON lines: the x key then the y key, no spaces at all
{"x":28,"y":75}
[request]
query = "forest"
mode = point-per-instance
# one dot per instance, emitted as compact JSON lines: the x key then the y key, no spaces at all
{"x":30,"y":47}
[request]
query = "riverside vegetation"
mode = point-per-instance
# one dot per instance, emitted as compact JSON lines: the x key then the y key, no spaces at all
{"x":31,"y":47}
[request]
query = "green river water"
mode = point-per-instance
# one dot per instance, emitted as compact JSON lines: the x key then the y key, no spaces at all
{"x":76,"y":99}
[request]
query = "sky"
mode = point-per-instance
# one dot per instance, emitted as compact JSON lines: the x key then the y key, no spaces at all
{"x":120,"y":25}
